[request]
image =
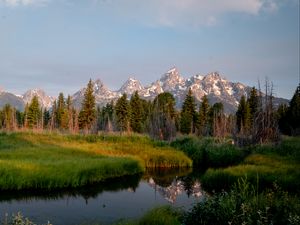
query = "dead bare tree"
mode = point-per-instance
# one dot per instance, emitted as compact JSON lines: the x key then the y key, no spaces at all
{"x":265,"y":126}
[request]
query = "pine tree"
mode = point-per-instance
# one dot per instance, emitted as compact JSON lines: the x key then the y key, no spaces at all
{"x":162,"y":119}
{"x":253,"y":102}
{"x":87,"y":114}
{"x":26,"y":115}
{"x":188,"y":114}
{"x":9,"y":117}
{"x":243,"y":116}
{"x":62,"y":115}
{"x":69,"y":111}
{"x":105,"y":118}
{"x":46,"y":118}
{"x":203,"y":118}
{"x":34,"y":113}
{"x":136,"y":113}
{"x":123,"y":113}
{"x":53,"y":120}
{"x":218,"y":120}
{"x":294,"y":112}
{"x":283,"y":120}
{"x":20,"y":118}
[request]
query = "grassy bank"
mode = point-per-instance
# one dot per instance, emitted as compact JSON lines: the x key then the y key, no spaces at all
{"x":49,"y":161}
{"x":264,"y":166}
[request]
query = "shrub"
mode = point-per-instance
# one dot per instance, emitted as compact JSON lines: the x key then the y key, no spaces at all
{"x":243,"y":205}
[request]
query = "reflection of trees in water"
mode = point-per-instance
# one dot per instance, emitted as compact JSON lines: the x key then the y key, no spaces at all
{"x":168,"y":182}
{"x":165,"y":177}
{"x":170,"y":187}
{"x":87,"y":192}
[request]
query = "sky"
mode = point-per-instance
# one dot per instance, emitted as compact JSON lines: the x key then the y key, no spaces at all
{"x":58,"y":45}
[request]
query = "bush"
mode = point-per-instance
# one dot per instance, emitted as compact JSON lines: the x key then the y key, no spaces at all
{"x":243,"y":205}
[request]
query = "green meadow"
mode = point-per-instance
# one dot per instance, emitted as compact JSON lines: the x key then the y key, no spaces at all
{"x":51,"y":161}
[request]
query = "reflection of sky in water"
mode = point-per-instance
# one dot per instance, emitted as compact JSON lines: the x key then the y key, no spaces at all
{"x":106,"y":207}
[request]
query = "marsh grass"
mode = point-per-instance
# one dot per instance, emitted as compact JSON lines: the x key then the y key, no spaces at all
{"x":206,"y":152}
{"x":266,"y":165}
{"x":49,"y":161}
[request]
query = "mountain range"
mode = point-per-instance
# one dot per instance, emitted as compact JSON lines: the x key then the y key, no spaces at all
{"x":216,"y":87}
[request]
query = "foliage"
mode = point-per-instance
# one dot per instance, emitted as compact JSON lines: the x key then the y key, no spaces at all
{"x":123,"y":113}
{"x":289,"y":122}
{"x":294,"y":112}
{"x":136,"y":117}
{"x":162,"y":118}
{"x":203,"y":120}
{"x":253,"y":102}
{"x":87,"y":114}
{"x":244,"y":205}
{"x":217,"y":120}
{"x":34,"y":113}
{"x":188,"y":114}
{"x":243,"y":116}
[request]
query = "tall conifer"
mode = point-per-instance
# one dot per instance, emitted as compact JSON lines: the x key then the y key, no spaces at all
{"x":87,"y":114}
{"x":203,"y":118}
{"x":243,"y":116}
{"x":136,"y":113}
{"x":34,"y":113}
{"x":188,"y":114}
{"x":123,"y":113}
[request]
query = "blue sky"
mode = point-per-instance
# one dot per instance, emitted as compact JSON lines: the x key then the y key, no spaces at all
{"x":57,"y":45}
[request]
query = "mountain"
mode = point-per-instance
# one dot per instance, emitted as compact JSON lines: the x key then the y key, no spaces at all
{"x":130,"y":86}
{"x":102,"y":94}
{"x":19,"y":101}
{"x":9,"y":98}
{"x":215,"y":86}
{"x":44,"y":100}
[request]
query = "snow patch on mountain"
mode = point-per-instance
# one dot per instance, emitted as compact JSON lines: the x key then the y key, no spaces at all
{"x":130,"y":86}
{"x":44,"y":100}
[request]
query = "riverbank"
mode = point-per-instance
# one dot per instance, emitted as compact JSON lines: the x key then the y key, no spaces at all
{"x":52,"y":161}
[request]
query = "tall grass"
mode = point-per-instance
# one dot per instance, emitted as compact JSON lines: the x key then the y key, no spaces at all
{"x":266,"y":165}
{"x":47,"y":161}
{"x":206,"y":152}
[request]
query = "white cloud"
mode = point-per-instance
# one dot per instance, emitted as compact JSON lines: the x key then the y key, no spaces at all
{"x":185,"y":12}
{"x":14,"y":3}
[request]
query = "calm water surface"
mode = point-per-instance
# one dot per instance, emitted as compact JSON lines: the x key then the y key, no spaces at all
{"x":123,"y":198}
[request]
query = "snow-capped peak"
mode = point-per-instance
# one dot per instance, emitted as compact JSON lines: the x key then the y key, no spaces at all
{"x":173,"y":70}
{"x":198,"y":77}
{"x":45,"y":100}
{"x":214,"y":76}
{"x":130,"y":86}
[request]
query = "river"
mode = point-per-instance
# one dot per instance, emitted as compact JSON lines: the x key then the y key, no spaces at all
{"x":116,"y":199}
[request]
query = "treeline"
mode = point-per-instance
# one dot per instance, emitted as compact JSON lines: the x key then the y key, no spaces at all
{"x":256,"y":120}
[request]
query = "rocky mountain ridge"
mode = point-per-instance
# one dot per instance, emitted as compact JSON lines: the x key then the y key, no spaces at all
{"x":216,"y":87}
